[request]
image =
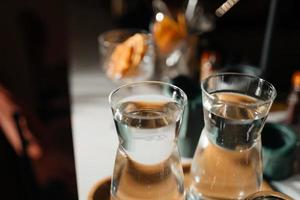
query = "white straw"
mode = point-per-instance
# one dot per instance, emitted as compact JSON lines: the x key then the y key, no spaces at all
{"x":225,"y":7}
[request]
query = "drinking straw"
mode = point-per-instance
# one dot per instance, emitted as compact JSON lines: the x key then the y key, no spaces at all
{"x":225,"y":7}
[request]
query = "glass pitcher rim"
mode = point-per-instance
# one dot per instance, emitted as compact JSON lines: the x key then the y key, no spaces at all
{"x":105,"y":43}
{"x":258,"y":103}
{"x":182,"y":93}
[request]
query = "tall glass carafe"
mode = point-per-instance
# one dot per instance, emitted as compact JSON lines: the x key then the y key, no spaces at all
{"x":227,"y":163}
{"x":147,"y":117}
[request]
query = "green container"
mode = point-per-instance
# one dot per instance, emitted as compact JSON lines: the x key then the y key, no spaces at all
{"x":279,"y":143}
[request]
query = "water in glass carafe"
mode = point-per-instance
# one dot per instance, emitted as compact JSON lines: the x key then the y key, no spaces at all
{"x":227,"y":163}
{"x":147,"y":117}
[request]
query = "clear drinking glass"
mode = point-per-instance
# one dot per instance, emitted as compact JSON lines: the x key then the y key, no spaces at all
{"x":148,"y":118}
{"x":227,"y":163}
{"x":125,"y":62}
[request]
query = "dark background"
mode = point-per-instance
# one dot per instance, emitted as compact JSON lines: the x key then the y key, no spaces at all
{"x":38,"y":37}
{"x":34,"y":68}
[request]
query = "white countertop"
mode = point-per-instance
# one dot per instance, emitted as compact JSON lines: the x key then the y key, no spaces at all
{"x":94,"y":136}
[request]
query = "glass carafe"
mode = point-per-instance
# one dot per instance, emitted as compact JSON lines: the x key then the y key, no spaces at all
{"x":147,"y":117}
{"x":227,"y":163}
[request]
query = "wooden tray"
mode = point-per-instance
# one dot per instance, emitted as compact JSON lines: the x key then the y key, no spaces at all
{"x":101,"y":190}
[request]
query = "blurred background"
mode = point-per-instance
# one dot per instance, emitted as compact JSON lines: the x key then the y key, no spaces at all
{"x":41,"y":41}
{"x":34,"y":63}
{"x":237,"y":37}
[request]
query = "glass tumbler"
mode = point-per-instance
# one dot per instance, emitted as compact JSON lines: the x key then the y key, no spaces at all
{"x":126,"y":55}
{"x":227,"y":163}
{"x":147,"y":118}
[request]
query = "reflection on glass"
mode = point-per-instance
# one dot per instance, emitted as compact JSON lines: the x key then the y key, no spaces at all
{"x":268,"y":195}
